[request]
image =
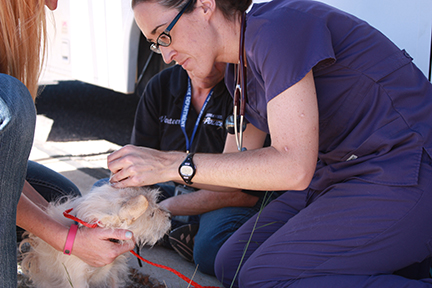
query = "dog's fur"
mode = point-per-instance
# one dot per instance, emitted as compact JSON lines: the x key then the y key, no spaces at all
{"x":134,"y":209}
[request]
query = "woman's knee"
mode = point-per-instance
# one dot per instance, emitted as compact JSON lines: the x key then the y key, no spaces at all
{"x":50,"y":184}
{"x":226,"y":264}
{"x":204,"y":254}
{"x":17,"y":110}
{"x":226,"y":269}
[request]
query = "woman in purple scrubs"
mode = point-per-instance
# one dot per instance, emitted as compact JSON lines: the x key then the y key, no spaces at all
{"x":350,"y":118}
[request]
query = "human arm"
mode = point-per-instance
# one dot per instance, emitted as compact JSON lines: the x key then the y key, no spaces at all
{"x":136,"y":157}
{"x":91,"y":245}
{"x":203,"y":201}
{"x":288,"y":164}
{"x":33,"y":196}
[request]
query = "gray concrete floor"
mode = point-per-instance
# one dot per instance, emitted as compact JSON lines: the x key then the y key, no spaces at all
{"x":84,"y":162}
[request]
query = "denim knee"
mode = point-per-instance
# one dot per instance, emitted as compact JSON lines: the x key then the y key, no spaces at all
{"x":215,"y":228}
{"x":204,"y":253}
{"x":17,"y":109}
{"x":48,"y":183}
{"x":17,"y":123}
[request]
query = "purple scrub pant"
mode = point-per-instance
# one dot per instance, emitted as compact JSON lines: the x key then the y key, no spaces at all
{"x":353,"y":234}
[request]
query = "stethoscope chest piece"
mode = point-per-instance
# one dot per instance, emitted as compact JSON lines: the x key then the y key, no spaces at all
{"x":229,"y":124}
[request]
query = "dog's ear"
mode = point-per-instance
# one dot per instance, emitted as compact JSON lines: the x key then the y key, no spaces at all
{"x":133,"y":208}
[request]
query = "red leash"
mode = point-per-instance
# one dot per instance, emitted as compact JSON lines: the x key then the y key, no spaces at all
{"x":191,"y":282}
{"x":69,"y":216}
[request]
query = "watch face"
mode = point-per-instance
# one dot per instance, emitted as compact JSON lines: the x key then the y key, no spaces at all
{"x":186,"y":171}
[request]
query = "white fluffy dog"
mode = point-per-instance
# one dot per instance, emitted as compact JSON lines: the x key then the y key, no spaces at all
{"x":134,"y":209}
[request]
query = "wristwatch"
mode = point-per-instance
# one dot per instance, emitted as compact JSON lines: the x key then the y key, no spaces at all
{"x":187,"y":169}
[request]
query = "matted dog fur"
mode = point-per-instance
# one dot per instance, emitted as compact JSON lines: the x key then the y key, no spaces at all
{"x":134,"y":209}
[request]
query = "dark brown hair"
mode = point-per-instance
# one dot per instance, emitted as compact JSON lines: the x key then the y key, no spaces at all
{"x":229,"y":8}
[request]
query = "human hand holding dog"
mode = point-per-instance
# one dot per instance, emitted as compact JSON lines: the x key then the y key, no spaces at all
{"x":95,"y":246}
{"x":92,"y":245}
{"x":134,"y":166}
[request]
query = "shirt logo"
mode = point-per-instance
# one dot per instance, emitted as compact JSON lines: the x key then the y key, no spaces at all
{"x":213,"y":120}
{"x":169,"y":121}
{"x":209,"y":119}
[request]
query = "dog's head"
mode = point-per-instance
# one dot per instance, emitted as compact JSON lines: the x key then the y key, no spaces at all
{"x":135,"y":209}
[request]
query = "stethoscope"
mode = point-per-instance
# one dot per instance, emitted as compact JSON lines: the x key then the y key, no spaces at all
{"x":240,"y":93}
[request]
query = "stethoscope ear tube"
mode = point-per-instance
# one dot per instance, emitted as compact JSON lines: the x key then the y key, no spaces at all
{"x":240,"y":94}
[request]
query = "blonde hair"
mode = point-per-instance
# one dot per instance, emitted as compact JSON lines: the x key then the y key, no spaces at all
{"x":22,"y":40}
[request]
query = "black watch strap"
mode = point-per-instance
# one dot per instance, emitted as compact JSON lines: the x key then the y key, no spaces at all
{"x":187,"y":169}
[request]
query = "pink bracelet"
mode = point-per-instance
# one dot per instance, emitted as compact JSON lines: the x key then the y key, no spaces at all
{"x":70,"y":239}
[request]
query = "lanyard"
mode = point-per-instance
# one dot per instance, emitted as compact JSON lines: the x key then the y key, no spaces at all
{"x":185,"y":111}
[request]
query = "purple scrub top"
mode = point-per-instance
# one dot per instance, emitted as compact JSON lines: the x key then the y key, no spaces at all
{"x":375,"y":105}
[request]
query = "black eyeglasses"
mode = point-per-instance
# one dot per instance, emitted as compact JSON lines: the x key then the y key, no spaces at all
{"x":164,"y":39}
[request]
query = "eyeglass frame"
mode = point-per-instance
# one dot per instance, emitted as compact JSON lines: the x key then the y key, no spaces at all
{"x":155,"y":45}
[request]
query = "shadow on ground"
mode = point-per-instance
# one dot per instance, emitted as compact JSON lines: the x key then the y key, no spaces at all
{"x":86,"y":112}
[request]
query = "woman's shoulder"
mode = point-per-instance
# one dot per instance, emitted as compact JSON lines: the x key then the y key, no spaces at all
{"x":290,"y":15}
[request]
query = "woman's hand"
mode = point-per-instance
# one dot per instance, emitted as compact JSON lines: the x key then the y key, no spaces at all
{"x":92,"y":245}
{"x":140,"y":166}
{"x":96,"y":247}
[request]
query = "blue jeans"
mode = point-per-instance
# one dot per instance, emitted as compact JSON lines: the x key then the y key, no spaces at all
{"x":215,"y":227}
{"x":50,"y":184}
{"x":17,"y":124}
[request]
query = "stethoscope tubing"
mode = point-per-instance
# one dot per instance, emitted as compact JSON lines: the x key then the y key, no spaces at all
{"x":240,"y":87}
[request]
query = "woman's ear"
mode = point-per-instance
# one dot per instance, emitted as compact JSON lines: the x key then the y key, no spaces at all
{"x":208,"y":6}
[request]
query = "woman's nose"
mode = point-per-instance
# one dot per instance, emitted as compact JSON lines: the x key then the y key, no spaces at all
{"x":167,"y":54}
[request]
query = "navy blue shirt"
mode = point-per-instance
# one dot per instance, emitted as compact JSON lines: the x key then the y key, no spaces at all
{"x":157,"y":120}
{"x":375,"y":106}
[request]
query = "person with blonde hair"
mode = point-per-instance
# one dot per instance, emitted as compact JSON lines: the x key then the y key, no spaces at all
{"x":22,"y":34}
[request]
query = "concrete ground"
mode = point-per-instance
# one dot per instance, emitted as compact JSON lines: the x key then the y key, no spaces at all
{"x":84,"y":162}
